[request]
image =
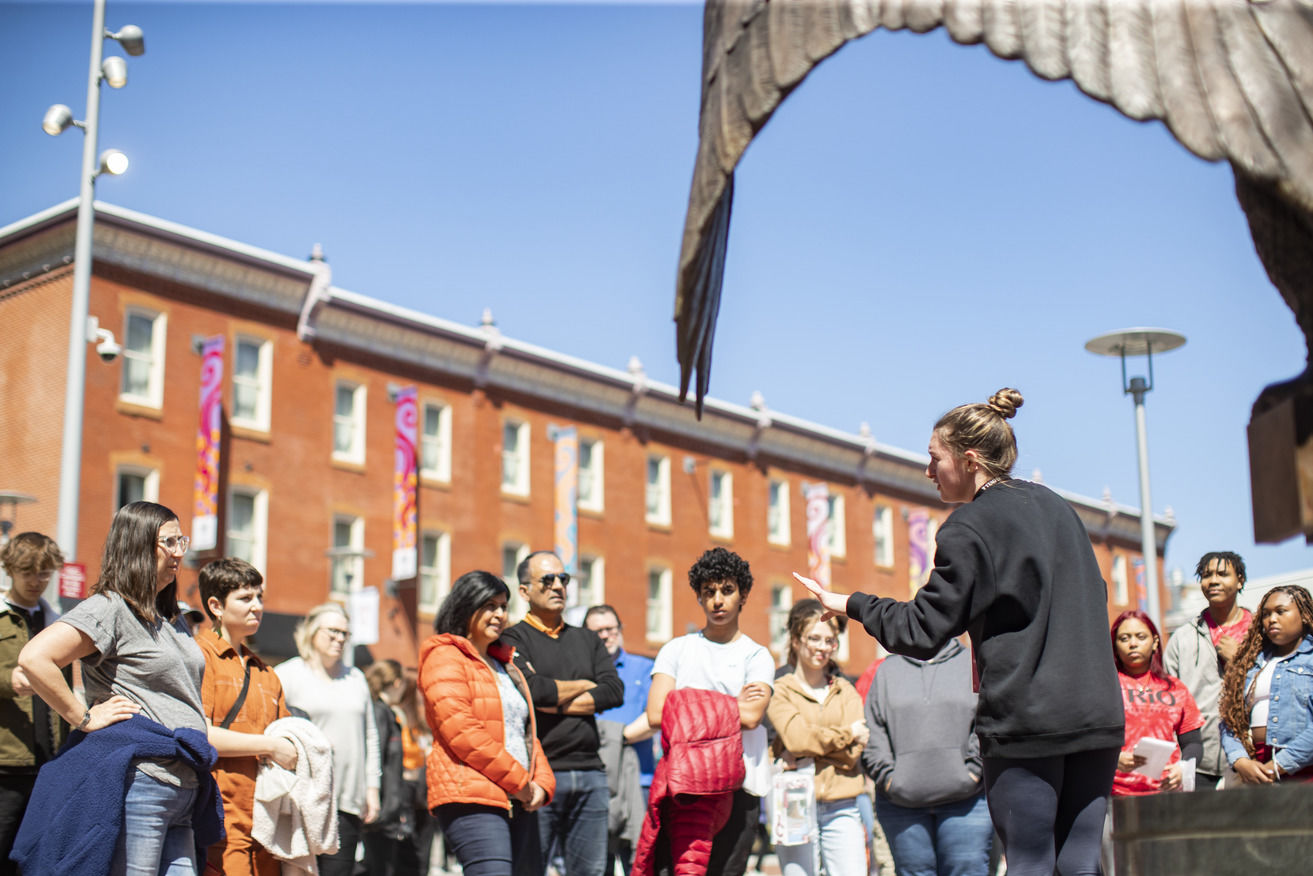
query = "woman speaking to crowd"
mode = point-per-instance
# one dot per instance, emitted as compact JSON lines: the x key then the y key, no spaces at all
{"x":1014,"y":568}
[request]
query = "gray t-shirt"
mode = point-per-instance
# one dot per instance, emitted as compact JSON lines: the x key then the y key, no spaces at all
{"x":157,"y":666}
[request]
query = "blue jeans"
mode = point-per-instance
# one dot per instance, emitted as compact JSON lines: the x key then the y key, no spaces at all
{"x":842,"y":847}
{"x":573,"y":825}
{"x":157,"y":838}
{"x":951,"y":839}
{"x":489,"y":841}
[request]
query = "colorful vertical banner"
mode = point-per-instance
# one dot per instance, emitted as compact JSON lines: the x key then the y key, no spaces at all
{"x":205,"y":490}
{"x":1141,"y":589}
{"x":566,"y":518}
{"x":918,"y":550}
{"x":816,"y":498}
{"x":405,"y":479}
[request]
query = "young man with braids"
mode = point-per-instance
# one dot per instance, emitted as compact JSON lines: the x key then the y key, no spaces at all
{"x":1198,"y":652}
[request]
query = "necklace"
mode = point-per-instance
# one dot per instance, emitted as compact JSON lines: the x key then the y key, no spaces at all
{"x":987,"y":484}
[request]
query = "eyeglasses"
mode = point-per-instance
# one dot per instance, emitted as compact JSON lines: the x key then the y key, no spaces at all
{"x":336,"y":633}
{"x":607,"y":631}
{"x":549,"y":580}
{"x":175,"y":544}
{"x":821,"y":642}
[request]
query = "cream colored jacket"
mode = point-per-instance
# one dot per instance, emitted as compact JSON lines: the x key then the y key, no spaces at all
{"x":822,"y":731}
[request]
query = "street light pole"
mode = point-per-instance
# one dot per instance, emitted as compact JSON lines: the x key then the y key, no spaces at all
{"x":70,"y":467}
{"x":1141,"y":342}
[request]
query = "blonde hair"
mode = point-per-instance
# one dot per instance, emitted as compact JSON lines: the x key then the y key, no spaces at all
{"x":984,"y":429}
{"x":304,"y":633}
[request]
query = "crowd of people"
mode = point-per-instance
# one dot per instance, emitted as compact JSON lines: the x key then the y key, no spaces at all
{"x":1006,"y":716}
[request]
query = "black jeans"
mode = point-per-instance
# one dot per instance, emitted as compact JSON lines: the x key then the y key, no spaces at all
{"x":343,"y":861}
{"x":15,"y":791}
{"x":490,"y":842}
{"x":1049,"y":811}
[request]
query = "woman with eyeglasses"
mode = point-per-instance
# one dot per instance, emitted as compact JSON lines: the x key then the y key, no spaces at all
{"x":142,"y":727}
{"x":336,"y":698}
{"x":817,"y":715}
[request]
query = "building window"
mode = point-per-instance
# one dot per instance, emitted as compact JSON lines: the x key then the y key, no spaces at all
{"x":658,"y":490}
{"x":838,"y":538}
{"x":348,"y":553}
{"x":658,"y":605}
{"x":349,"y":422}
{"x":512,"y":554}
{"x":1120,"y":585}
{"x":247,"y":525}
{"x":781,"y":603}
{"x":435,"y":443}
{"x":434,"y":570}
{"x":135,"y":484}
{"x":252,"y":383}
{"x":590,"y":475}
{"x":592,"y":582}
{"x":515,"y":458}
{"x":720,"y":504}
{"x":777,"y":513}
{"x":882,"y":529}
{"x":143,"y":358}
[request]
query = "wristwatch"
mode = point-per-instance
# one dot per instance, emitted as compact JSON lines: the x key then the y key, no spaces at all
{"x":86,"y":719}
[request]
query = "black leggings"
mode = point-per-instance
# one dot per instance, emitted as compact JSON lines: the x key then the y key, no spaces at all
{"x":1049,"y":810}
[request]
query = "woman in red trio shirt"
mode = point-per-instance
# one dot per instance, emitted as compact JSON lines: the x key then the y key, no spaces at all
{"x":1157,"y":706}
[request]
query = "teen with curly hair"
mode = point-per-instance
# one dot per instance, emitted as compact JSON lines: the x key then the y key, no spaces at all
{"x":1267,"y":715}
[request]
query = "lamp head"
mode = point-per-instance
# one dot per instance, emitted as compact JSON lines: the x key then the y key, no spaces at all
{"x":131,"y":39}
{"x":57,"y":120}
{"x":115,"y":71}
{"x":113,"y":162}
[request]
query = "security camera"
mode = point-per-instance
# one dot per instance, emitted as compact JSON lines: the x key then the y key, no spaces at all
{"x":106,"y":347}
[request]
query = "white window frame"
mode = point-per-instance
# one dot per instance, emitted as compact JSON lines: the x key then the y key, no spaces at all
{"x":838,"y":526}
{"x":150,"y":483}
{"x":352,"y":565}
{"x":1121,"y":591}
{"x":658,"y":512}
{"x":261,"y":384}
{"x":515,"y":463}
{"x":593,"y":474}
{"x":778,"y":523}
{"x":434,"y":578}
{"x":595,"y":593}
{"x":720,"y":503}
{"x":657,"y":617}
{"x":516,"y":609}
{"x":882,"y":534}
{"x":259,"y":537}
{"x":355,"y":420}
{"x":154,"y":358}
{"x":435,"y":444}
{"x":781,"y":603}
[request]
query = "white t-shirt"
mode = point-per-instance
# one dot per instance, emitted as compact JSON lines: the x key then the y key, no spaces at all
{"x":695,"y":662}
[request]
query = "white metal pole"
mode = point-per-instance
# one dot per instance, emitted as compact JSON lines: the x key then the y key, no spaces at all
{"x":70,"y":468}
{"x":1148,"y":544}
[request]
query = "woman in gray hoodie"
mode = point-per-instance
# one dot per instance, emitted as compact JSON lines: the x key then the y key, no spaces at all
{"x":925,"y":759}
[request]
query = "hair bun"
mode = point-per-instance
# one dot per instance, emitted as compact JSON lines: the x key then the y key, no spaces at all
{"x":1005,"y":402}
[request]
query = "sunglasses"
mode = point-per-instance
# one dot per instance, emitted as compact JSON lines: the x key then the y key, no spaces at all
{"x":549,"y":580}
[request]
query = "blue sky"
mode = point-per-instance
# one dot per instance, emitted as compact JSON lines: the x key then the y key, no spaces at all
{"x":919,"y":225}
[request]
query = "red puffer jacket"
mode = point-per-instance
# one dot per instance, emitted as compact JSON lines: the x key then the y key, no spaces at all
{"x":469,"y":762}
{"x":694,"y":782}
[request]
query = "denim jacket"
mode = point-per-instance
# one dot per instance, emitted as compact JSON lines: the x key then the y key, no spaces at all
{"x":1290,"y":716}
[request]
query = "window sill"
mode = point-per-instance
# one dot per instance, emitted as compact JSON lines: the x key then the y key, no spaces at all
{"x":348,"y":465}
{"x":139,"y":409}
{"x":250,"y":433}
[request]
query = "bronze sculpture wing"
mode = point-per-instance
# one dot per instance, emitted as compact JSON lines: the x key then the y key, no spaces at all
{"x":1231,"y":79}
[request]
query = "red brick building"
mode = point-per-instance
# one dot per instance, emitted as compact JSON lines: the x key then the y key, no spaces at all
{"x":307,"y":444}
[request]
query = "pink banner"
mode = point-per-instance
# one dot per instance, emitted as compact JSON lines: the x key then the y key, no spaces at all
{"x":205,"y":491}
{"x":405,"y":557}
{"x":566,"y":518}
{"x":817,"y":499}
{"x":1141,"y":589}
{"x":918,"y":550}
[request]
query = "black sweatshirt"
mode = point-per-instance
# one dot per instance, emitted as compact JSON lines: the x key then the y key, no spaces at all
{"x":1015,"y":569}
{"x":569,"y":741}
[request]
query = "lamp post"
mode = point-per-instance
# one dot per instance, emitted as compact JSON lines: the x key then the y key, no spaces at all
{"x":58,"y":118}
{"x":1141,"y":342}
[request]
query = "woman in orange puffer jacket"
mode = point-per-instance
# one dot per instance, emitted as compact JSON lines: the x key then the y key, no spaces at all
{"x":487,"y":775}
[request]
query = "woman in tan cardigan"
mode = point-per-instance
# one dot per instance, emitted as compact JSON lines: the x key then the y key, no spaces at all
{"x":817,"y":714}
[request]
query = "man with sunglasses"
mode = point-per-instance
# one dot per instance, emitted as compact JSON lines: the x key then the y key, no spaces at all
{"x":571,"y":677}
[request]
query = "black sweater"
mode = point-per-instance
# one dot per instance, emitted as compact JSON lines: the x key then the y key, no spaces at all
{"x":569,"y":741}
{"x":1015,"y":569}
